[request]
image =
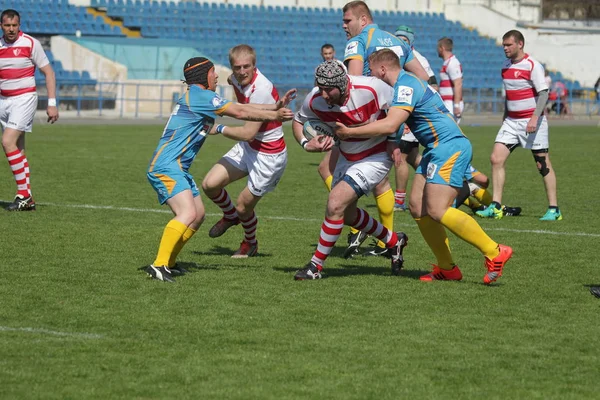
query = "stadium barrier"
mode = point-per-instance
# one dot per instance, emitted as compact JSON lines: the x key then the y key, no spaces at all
{"x":143,"y":99}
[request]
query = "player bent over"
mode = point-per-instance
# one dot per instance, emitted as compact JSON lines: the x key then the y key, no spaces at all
{"x":441,"y":172}
{"x":191,"y":120}
{"x":261,"y":154}
{"x":362,"y":164}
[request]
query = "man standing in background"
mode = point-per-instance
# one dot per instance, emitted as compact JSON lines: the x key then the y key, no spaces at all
{"x":20,"y":54}
{"x":451,"y":78}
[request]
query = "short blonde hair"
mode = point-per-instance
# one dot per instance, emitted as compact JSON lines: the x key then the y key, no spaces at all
{"x":386,"y":56}
{"x":239,"y":50}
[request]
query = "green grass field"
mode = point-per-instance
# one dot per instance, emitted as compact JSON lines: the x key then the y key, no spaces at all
{"x":78,"y":320}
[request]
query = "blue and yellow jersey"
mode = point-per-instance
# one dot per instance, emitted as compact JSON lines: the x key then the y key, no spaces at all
{"x":185,"y":132}
{"x":429,"y":120}
{"x":372,"y":39}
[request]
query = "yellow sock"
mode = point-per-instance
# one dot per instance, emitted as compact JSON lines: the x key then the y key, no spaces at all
{"x":472,"y":203}
{"x":328,"y":182}
{"x":435,"y":236}
{"x":189,"y":232}
{"x":484,"y":196}
{"x":385,"y":207}
{"x":466,"y":228}
{"x":172,"y":234}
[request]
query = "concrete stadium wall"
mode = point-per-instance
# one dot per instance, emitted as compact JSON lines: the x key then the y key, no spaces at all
{"x":132,"y":95}
{"x":574,"y":55}
{"x":75,"y":57}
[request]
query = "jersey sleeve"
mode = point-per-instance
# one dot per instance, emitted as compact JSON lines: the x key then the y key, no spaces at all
{"x":355,"y":49}
{"x":407,"y":92}
{"x":409,"y":53}
{"x":206,"y":102}
{"x":305,"y":113}
{"x":38,"y":56}
{"x":454,"y":69}
{"x":538,"y":77}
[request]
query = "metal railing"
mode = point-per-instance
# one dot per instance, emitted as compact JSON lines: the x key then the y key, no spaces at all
{"x":156,"y":100}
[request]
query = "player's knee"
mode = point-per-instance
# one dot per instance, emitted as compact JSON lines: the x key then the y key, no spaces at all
{"x":198,"y":219}
{"x":436,"y":214}
{"x":415,"y":210}
{"x":541,"y":164}
{"x":335,"y":208}
{"x":496,"y":159}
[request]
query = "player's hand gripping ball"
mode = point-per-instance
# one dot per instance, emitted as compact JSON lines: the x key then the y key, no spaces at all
{"x":314,"y":128}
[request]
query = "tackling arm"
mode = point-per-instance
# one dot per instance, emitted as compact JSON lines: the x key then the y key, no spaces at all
{"x":384,"y":127}
{"x":249,"y":113}
{"x":416,"y":68}
{"x":245,"y":133}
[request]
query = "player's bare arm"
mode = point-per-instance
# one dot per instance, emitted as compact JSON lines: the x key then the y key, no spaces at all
{"x":383,"y":127}
{"x":355,"y":67}
{"x":52,"y":109}
{"x":244,"y":133}
{"x":457,"y":85}
{"x":248,"y":112}
{"x":539,"y":109}
{"x":317,"y":144}
{"x":281,"y":103}
{"x":416,"y":68}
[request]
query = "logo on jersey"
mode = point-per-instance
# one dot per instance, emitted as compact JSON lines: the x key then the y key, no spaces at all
{"x":16,"y":52}
{"x":387,"y":42}
{"x":352,"y":48}
{"x":431,"y":168}
{"x":405,"y":94}
{"x":218,"y":102}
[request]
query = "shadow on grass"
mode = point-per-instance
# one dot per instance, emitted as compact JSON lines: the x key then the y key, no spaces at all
{"x":226,"y":251}
{"x":594,"y":289}
{"x":352,"y":270}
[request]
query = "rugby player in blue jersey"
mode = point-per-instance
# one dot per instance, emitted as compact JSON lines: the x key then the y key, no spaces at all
{"x":191,"y":121}
{"x":440,"y":174}
{"x":365,"y":37}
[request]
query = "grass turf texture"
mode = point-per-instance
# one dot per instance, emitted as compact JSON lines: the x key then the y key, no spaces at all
{"x":78,"y":320}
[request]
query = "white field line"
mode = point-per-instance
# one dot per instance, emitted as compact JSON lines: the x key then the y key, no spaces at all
{"x":286,"y":218}
{"x":43,"y":331}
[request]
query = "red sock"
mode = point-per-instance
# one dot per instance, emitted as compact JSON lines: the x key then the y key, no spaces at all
{"x":400,"y":196}
{"x":364,"y":222}
{"x":249,"y":226}
{"x":20,"y":169}
{"x":224,"y":202}
{"x":330,"y":232}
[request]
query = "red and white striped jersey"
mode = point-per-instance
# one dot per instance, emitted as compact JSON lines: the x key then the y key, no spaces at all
{"x":451,"y":70}
{"x":18,"y":61}
{"x":260,"y":90}
{"x":522,"y":82}
{"x":368,"y":99}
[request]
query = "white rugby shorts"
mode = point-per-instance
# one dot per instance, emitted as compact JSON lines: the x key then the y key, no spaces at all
{"x":367,"y":173}
{"x":513,"y":132}
{"x":264,"y":169}
{"x":409,"y":137}
{"x":17,"y":112}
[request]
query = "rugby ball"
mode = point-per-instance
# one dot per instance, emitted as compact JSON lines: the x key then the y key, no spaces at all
{"x":315,"y":127}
